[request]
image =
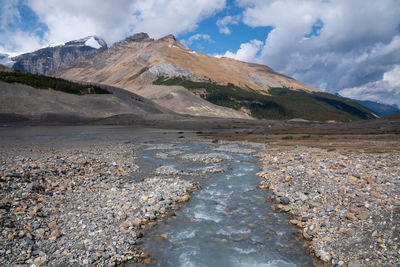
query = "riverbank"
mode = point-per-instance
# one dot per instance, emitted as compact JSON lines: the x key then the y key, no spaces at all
{"x":79,"y":202}
{"x":347,"y":204}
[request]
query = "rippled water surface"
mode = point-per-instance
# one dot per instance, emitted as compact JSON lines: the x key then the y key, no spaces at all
{"x":226,"y":223}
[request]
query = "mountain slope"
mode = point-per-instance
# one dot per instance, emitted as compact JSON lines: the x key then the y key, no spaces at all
{"x":138,"y":61}
{"x":280,"y":103}
{"x":172,"y":98}
{"x":48,"y":99}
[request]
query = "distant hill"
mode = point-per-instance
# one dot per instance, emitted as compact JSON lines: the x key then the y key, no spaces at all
{"x":279,"y":103}
{"x":5,"y":68}
{"x":32,"y":97}
{"x":379,"y":108}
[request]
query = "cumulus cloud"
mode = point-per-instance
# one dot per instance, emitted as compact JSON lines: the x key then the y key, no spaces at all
{"x":225,"y":22}
{"x":161,"y":17}
{"x":356,"y":43}
{"x":196,"y":37}
{"x":20,"y":41}
{"x":386,"y":90}
{"x":12,"y":38}
{"x":73,"y":19}
{"x":112,"y":20}
{"x":247,"y":51}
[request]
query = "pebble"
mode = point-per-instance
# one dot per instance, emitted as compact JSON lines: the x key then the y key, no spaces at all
{"x":347,"y":204}
{"x":206,"y":157}
{"x":285,"y":200}
{"x":74,"y":205}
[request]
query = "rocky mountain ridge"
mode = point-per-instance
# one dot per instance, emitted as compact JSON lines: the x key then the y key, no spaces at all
{"x":139,"y":60}
{"x":50,"y":59}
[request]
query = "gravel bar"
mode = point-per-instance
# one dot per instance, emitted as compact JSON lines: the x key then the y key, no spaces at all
{"x":346,"y":204}
{"x":66,"y":205}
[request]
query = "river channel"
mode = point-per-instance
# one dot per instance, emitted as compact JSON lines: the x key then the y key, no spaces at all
{"x":228,"y":222}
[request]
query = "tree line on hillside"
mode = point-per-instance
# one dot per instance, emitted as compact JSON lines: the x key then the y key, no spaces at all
{"x":278,"y":103}
{"x":50,"y":83}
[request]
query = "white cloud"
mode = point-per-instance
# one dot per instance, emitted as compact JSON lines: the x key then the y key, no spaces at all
{"x":247,"y":51}
{"x":111,"y":20}
{"x":20,"y":41}
{"x":161,"y":17}
{"x":13,"y":39}
{"x":357,"y":44}
{"x":225,"y":22}
{"x":386,"y":90}
{"x":9,"y":14}
{"x":196,"y":37}
{"x":73,"y":19}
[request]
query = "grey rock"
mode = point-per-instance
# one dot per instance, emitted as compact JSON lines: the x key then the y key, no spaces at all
{"x":285,"y":200}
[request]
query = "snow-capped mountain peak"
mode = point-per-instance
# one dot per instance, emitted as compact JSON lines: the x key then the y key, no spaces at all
{"x":49,"y":59}
{"x":93,"y":43}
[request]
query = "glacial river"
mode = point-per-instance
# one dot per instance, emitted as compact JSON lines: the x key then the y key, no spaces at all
{"x":227,"y":222}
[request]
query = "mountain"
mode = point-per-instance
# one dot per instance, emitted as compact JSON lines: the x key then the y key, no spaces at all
{"x":49,"y":59}
{"x":148,"y":67}
{"x":139,"y":60}
{"x":379,"y":108}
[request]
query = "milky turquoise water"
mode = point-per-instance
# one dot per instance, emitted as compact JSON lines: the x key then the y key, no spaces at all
{"x":226,"y":223}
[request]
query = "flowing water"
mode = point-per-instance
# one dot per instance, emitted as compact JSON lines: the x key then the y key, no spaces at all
{"x":227,"y":222}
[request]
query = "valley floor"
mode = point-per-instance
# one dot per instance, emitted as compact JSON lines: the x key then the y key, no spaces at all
{"x":80,"y":195}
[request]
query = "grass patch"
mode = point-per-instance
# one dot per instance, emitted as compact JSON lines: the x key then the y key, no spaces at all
{"x":331,"y":149}
{"x":370,"y":133}
{"x":46,"y":82}
{"x":282,"y":103}
{"x":289,"y":137}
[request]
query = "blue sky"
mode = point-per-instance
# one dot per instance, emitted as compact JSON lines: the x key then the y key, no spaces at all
{"x":332,"y":45}
{"x":219,"y":42}
{"x":29,"y":21}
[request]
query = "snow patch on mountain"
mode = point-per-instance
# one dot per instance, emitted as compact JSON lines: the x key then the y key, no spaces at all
{"x":93,"y":43}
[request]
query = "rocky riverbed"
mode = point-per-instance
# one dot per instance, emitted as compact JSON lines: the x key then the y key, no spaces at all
{"x":70,"y":205}
{"x":82,"y":196}
{"x":346,"y":204}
